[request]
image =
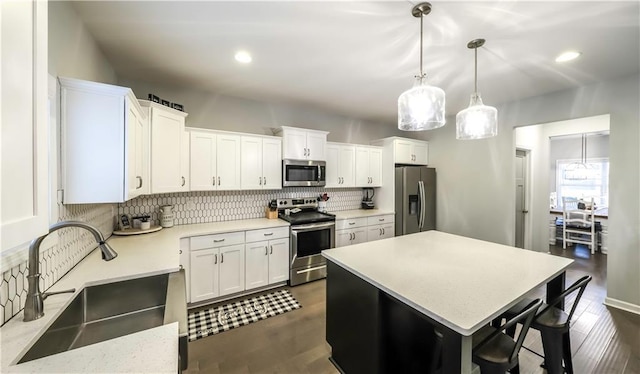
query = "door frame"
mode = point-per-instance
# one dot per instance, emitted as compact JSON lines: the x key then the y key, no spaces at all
{"x":528,"y":222}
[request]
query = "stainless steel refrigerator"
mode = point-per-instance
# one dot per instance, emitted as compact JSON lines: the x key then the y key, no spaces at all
{"x":415,"y":198}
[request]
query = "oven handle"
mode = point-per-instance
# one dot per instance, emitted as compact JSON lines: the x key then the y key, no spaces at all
{"x":312,"y":226}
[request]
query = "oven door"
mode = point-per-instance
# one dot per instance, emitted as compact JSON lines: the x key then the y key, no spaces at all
{"x":309,"y":240}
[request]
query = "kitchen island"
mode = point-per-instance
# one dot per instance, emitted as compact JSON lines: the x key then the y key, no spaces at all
{"x":386,"y":298}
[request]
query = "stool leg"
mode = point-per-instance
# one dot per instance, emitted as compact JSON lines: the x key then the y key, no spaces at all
{"x":566,"y":353}
{"x":552,"y":344}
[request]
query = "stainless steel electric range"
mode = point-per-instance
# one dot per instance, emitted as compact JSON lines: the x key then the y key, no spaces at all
{"x":311,"y":232}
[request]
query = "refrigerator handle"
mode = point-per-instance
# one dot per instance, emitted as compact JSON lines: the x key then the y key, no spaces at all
{"x":421,"y":204}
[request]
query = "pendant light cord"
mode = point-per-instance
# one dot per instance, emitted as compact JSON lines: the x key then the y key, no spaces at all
{"x":475,"y":72}
{"x":421,"y":73}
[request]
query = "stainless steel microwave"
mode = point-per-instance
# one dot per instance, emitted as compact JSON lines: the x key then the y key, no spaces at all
{"x":301,"y":173}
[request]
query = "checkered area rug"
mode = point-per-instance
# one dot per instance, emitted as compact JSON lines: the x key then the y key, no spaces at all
{"x":226,"y":317}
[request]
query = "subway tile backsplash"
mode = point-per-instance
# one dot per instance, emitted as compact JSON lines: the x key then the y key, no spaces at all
{"x":217,"y":206}
{"x":56,"y":260}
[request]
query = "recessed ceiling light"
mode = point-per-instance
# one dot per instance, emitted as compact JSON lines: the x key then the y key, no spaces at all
{"x":568,"y":56}
{"x":243,"y":57}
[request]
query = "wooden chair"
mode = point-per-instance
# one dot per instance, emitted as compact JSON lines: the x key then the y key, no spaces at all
{"x":554,"y":324}
{"x":578,"y":224}
{"x":496,"y":352}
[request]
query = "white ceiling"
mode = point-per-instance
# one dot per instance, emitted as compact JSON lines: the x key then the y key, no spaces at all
{"x":356,"y":58}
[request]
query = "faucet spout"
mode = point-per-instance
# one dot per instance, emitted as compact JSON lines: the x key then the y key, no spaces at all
{"x":34,"y":306}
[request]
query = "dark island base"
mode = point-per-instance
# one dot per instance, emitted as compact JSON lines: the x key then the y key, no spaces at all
{"x":372,"y":332}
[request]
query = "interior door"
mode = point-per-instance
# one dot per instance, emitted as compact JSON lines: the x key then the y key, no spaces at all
{"x":520,"y":197}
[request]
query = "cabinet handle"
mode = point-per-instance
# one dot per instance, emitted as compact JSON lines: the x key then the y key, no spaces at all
{"x":218,"y":181}
{"x":351,"y":223}
{"x":221,"y":258}
{"x":266,"y":250}
{"x":183,"y":181}
{"x":269,"y":234}
{"x":383,"y":231}
{"x":214,"y":181}
{"x":218,"y":240}
{"x":260,"y":181}
{"x":180,"y":252}
{"x":139,"y":178}
{"x":380,"y":219}
{"x":380,"y":232}
{"x":215,"y":262}
{"x":264,"y":181}
{"x":271,"y":249}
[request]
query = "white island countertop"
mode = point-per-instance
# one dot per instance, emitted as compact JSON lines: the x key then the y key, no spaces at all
{"x":150,"y":351}
{"x":460,"y":282}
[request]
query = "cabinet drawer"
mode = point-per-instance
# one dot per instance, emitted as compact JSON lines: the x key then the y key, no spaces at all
{"x":350,"y":223}
{"x":379,"y":220}
{"x":267,"y":234}
{"x":218,"y":240}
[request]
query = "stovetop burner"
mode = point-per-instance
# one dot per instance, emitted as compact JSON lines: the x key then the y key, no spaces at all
{"x":306,"y":216}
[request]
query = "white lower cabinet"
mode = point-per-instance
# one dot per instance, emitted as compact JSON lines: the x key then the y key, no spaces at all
{"x":216,"y":265}
{"x":267,"y":257}
{"x":351,"y":231}
{"x":380,"y":227}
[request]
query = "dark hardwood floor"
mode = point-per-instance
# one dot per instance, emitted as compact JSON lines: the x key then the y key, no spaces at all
{"x":604,"y":340}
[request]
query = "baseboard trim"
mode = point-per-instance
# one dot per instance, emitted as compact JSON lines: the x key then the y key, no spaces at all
{"x":622,"y":305}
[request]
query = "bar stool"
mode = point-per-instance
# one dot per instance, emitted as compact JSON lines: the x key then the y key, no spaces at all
{"x":554,"y":324}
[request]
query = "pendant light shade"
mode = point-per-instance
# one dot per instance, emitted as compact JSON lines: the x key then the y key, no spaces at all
{"x":478,"y":121}
{"x":422,"y":106}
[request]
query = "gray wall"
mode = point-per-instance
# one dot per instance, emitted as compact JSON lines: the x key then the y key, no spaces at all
{"x":475,"y":178}
{"x":72,"y":50}
{"x":569,"y":148}
{"x":219,"y":112}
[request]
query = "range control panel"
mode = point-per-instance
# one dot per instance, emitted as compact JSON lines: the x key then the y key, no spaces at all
{"x":302,"y":202}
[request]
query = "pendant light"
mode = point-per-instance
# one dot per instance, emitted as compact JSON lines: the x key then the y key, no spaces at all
{"x":422,"y":106}
{"x":579,"y":170}
{"x":478,"y":121}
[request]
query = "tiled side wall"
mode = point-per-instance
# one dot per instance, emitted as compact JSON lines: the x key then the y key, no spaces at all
{"x":216,"y":206}
{"x":56,"y":259}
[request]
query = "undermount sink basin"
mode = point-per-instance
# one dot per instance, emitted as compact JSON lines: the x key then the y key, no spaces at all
{"x":107,"y":311}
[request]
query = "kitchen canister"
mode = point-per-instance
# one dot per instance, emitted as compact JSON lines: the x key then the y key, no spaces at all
{"x":166,"y":216}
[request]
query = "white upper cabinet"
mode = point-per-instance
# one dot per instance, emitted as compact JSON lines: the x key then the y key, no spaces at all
{"x":303,"y":144}
{"x":341,"y":164}
{"x":24,"y":173}
{"x":261,"y":162}
{"x":368,"y":168}
{"x":411,"y":152}
{"x":104,"y":143}
{"x":168,"y":148}
{"x":214,"y":160}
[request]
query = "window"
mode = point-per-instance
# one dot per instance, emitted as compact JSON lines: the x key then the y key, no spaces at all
{"x":583,"y":181}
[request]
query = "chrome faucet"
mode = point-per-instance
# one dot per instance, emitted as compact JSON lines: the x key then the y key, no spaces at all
{"x":34,"y":306}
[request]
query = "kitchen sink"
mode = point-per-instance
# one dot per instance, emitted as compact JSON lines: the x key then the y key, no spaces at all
{"x":107,"y":311}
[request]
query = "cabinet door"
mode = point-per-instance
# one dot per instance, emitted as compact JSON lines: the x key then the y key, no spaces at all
{"x":203,"y":161}
{"x":388,"y":231}
{"x":185,"y":167}
{"x":294,"y":144}
{"x":136,"y":170}
{"x":272,"y":164}
{"x":24,"y":172}
{"x":362,"y":167}
{"x":359,"y":235}
{"x":256,"y":264}
{"x":316,"y":144}
{"x":251,"y":163}
{"x":166,"y":152}
{"x":348,"y":166}
{"x":403,"y":152}
{"x":421,"y":152}
{"x":333,"y":166}
{"x":204,"y":274}
{"x":375,"y":167}
{"x":278,"y":260}
{"x":228,"y":162}
{"x":231,"y":269}
{"x":343,"y":237}
{"x":374,"y":232}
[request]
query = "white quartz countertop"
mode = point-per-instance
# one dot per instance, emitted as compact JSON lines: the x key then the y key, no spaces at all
{"x":360,"y":213}
{"x":150,"y":351}
{"x":460,"y":282}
